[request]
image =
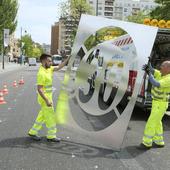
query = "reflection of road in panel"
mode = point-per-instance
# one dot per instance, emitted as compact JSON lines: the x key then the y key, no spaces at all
{"x":91,"y":122}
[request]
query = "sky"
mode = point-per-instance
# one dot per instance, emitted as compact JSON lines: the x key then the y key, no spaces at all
{"x":36,"y":17}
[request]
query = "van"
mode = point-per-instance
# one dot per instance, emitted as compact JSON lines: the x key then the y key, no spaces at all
{"x":56,"y":59}
{"x":32,"y":62}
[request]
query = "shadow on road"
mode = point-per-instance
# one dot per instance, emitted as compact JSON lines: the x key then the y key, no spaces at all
{"x":71,"y":148}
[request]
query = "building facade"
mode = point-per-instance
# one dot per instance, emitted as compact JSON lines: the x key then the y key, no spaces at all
{"x":46,"y":48}
{"x":14,"y":49}
{"x":61,"y":40}
{"x":55,"y":38}
{"x":120,"y":9}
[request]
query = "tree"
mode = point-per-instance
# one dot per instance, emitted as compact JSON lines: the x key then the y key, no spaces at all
{"x":162,"y":11}
{"x":36,"y":52}
{"x":139,"y":18}
{"x":8,"y":12}
{"x":72,"y":10}
{"x":29,"y":47}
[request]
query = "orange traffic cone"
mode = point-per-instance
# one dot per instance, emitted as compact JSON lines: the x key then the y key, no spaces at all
{"x":15,"y":84}
{"x":5,"y":90}
{"x":21,"y":81}
{"x":2,"y":101}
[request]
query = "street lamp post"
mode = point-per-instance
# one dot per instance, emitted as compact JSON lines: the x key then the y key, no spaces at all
{"x":2,"y":50}
{"x":97,"y":3}
{"x":5,"y":43}
{"x":21,"y":48}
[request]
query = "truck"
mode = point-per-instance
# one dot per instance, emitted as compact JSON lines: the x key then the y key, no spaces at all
{"x":160,"y":53}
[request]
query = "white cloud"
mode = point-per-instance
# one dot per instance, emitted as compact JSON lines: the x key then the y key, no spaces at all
{"x":37,"y":16}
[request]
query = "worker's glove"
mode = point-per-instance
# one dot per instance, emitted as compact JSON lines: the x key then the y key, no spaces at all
{"x":146,"y":68}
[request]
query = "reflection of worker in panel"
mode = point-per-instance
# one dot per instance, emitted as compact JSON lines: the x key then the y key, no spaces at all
{"x":98,"y":61}
{"x":95,"y":54}
{"x":160,"y":80}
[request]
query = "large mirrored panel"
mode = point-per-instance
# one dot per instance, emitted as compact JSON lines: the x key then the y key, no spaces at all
{"x":103,"y":79}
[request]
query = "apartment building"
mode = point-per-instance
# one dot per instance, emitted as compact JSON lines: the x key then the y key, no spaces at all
{"x":120,"y":9}
{"x":125,"y":8}
{"x":54,"y":38}
{"x":61,"y":33}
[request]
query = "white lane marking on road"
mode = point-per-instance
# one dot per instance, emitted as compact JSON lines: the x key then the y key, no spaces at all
{"x":72,"y":155}
{"x":128,"y":161}
{"x":3,"y":120}
{"x":96,"y":166}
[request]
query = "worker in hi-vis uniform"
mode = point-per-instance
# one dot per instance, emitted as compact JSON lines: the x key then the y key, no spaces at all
{"x":44,"y":87}
{"x":160,"y":80}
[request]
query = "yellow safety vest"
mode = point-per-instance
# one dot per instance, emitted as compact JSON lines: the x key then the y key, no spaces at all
{"x":45,"y":78}
{"x":161,"y":93}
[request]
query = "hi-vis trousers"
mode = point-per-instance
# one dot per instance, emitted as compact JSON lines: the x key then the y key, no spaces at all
{"x":47,"y":116}
{"x":153,"y":130}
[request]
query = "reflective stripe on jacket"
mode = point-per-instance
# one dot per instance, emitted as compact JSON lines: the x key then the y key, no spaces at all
{"x":161,"y":93}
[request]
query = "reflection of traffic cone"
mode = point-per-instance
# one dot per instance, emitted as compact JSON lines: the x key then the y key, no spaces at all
{"x":2,"y":101}
{"x":5,"y":90}
{"x":21,"y":81}
{"x":15,"y":84}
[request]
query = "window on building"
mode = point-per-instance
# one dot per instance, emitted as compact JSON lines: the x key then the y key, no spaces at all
{"x":125,"y":9}
{"x":108,"y":9}
{"x":109,"y":3}
{"x":100,"y":8}
{"x":91,"y":2}
{"x":108,"y":14}
{"x":146,"y":7}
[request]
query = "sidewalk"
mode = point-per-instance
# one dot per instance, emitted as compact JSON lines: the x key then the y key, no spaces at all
{"x":10,"y":67}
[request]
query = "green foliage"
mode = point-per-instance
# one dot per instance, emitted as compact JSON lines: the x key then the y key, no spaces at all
{"x":139,"y":18}
{"x":162,"y":11}
{"x":29,"y":48}
{"x":72,"y":10}
{"x":103,"y":34}
{"x":8,"y":12}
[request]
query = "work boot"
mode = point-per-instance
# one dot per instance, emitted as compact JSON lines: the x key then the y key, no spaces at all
{"x":157,"y":146}
{"x":35,"y":137}
{"x":54,"y":140}
{"x":143,"y":147}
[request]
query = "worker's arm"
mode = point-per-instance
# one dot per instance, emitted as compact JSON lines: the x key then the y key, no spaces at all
{"x":60,"y":66}
{"x":153,"y":81}
{"x":41,"y":92}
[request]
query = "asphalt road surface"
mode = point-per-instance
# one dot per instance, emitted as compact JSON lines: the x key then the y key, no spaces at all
{"x":19,"y":152}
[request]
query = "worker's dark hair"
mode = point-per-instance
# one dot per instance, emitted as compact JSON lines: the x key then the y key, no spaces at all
{"x":44,"y":56}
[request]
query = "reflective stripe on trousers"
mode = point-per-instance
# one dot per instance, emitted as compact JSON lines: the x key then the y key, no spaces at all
{"x":153,"y":130}
{"x":47,"y":116}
